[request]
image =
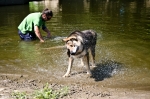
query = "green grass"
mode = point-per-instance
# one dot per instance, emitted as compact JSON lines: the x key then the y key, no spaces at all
{"x":45,"y":93}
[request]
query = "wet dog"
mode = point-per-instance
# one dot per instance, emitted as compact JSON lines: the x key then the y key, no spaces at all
{"x":79,"y":44}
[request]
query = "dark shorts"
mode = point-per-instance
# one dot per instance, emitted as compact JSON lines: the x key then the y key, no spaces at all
{"x":28,"y":36}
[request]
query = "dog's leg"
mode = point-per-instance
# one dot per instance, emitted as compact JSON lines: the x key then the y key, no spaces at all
{"x":69,"y":67}
{"x":82,"y":63}
{"x":92,"y":51}
{"x":86,"y":63}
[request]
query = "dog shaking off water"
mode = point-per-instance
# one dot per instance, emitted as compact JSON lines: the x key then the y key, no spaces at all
{"x":79,"y":44}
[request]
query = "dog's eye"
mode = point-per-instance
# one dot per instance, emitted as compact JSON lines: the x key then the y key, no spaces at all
{"x":71,"y":45}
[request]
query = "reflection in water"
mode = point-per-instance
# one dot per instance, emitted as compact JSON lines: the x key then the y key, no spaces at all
{"x":12,"y":15}
{"x":39,"y":6}
{"x":123,"y":28}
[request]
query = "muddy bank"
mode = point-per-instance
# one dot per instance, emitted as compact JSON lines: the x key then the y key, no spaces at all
{"x":24,"y":83}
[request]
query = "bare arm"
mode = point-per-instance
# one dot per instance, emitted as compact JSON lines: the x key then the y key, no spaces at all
{"x":48,"y":32}
{"x":38,"y":34}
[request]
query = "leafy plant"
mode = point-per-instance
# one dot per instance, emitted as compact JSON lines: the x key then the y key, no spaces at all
{"x":45,"y":93}
{"x":48,"y":93}
{"x":19,"y":95}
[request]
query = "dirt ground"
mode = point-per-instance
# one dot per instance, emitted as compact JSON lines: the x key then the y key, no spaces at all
{"x":24,"y":83}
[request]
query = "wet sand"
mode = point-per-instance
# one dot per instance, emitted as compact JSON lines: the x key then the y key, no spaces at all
{"x":77,"y":90}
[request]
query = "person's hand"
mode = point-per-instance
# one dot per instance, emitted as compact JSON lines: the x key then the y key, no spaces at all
{"x":48,"y":35}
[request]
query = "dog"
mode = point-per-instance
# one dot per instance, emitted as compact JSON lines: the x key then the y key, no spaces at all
{"x":79,"y":44}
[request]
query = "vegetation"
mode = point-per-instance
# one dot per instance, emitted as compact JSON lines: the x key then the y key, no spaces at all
{"x":19,"y":95}
{"x":45,"y":93}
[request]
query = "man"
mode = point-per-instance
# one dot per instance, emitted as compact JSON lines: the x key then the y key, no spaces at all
{"x":29,"y":28}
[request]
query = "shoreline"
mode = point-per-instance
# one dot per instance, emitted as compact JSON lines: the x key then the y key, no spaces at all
{"x":25,"y":83}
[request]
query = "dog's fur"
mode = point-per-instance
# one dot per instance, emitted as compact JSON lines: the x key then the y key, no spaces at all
{"x":79,"y":44}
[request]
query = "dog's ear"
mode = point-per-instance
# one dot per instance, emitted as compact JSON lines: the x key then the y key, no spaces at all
{"x":80,"y":38}
{"x":69,"y":38}
{"x":72,"y":37}
{"x":65,"y":39}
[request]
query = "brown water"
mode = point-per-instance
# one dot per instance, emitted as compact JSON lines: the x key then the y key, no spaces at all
{"x":123,"y":46}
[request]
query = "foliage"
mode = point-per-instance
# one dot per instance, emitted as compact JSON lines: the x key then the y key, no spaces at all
{"x":45,"y":93}
{"x":19,"y":95}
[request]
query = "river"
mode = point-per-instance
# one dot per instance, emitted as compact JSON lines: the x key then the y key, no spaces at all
{"x":123,"y":43}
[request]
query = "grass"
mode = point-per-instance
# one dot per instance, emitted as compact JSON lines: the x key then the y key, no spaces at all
{"x":45,"y":93}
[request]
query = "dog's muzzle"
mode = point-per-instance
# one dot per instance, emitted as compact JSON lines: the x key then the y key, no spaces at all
{"x":72,"y":53}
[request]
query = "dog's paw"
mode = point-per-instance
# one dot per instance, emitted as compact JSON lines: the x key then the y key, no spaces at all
{"x":89,"y":73}
{"x":66,"y":75}
{"x":93,"y":65}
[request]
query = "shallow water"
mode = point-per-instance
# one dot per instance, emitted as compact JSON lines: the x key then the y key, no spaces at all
{"x":122,"y":51}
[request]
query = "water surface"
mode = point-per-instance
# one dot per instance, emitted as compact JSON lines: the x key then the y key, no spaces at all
{"x":122,"y":51}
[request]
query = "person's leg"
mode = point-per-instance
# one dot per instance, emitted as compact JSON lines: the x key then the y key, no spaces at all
{"x":21,"y":35}
{"x":27,"y":36}
{"x":32,"y":36}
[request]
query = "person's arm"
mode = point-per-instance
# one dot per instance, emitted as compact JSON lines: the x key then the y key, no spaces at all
{"x":47,"y":31}
{"x":38,"y":34}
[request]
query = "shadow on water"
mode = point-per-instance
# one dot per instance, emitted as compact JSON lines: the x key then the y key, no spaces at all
{"x":106,"y":70}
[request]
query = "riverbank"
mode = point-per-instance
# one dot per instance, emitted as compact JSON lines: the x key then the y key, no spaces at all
{"x":10,"y":83}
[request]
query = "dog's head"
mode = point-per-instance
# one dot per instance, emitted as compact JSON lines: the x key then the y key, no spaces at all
{"x":74,"y":45}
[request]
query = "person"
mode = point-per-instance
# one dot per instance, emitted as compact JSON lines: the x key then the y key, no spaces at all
{"x":29,"y":28}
